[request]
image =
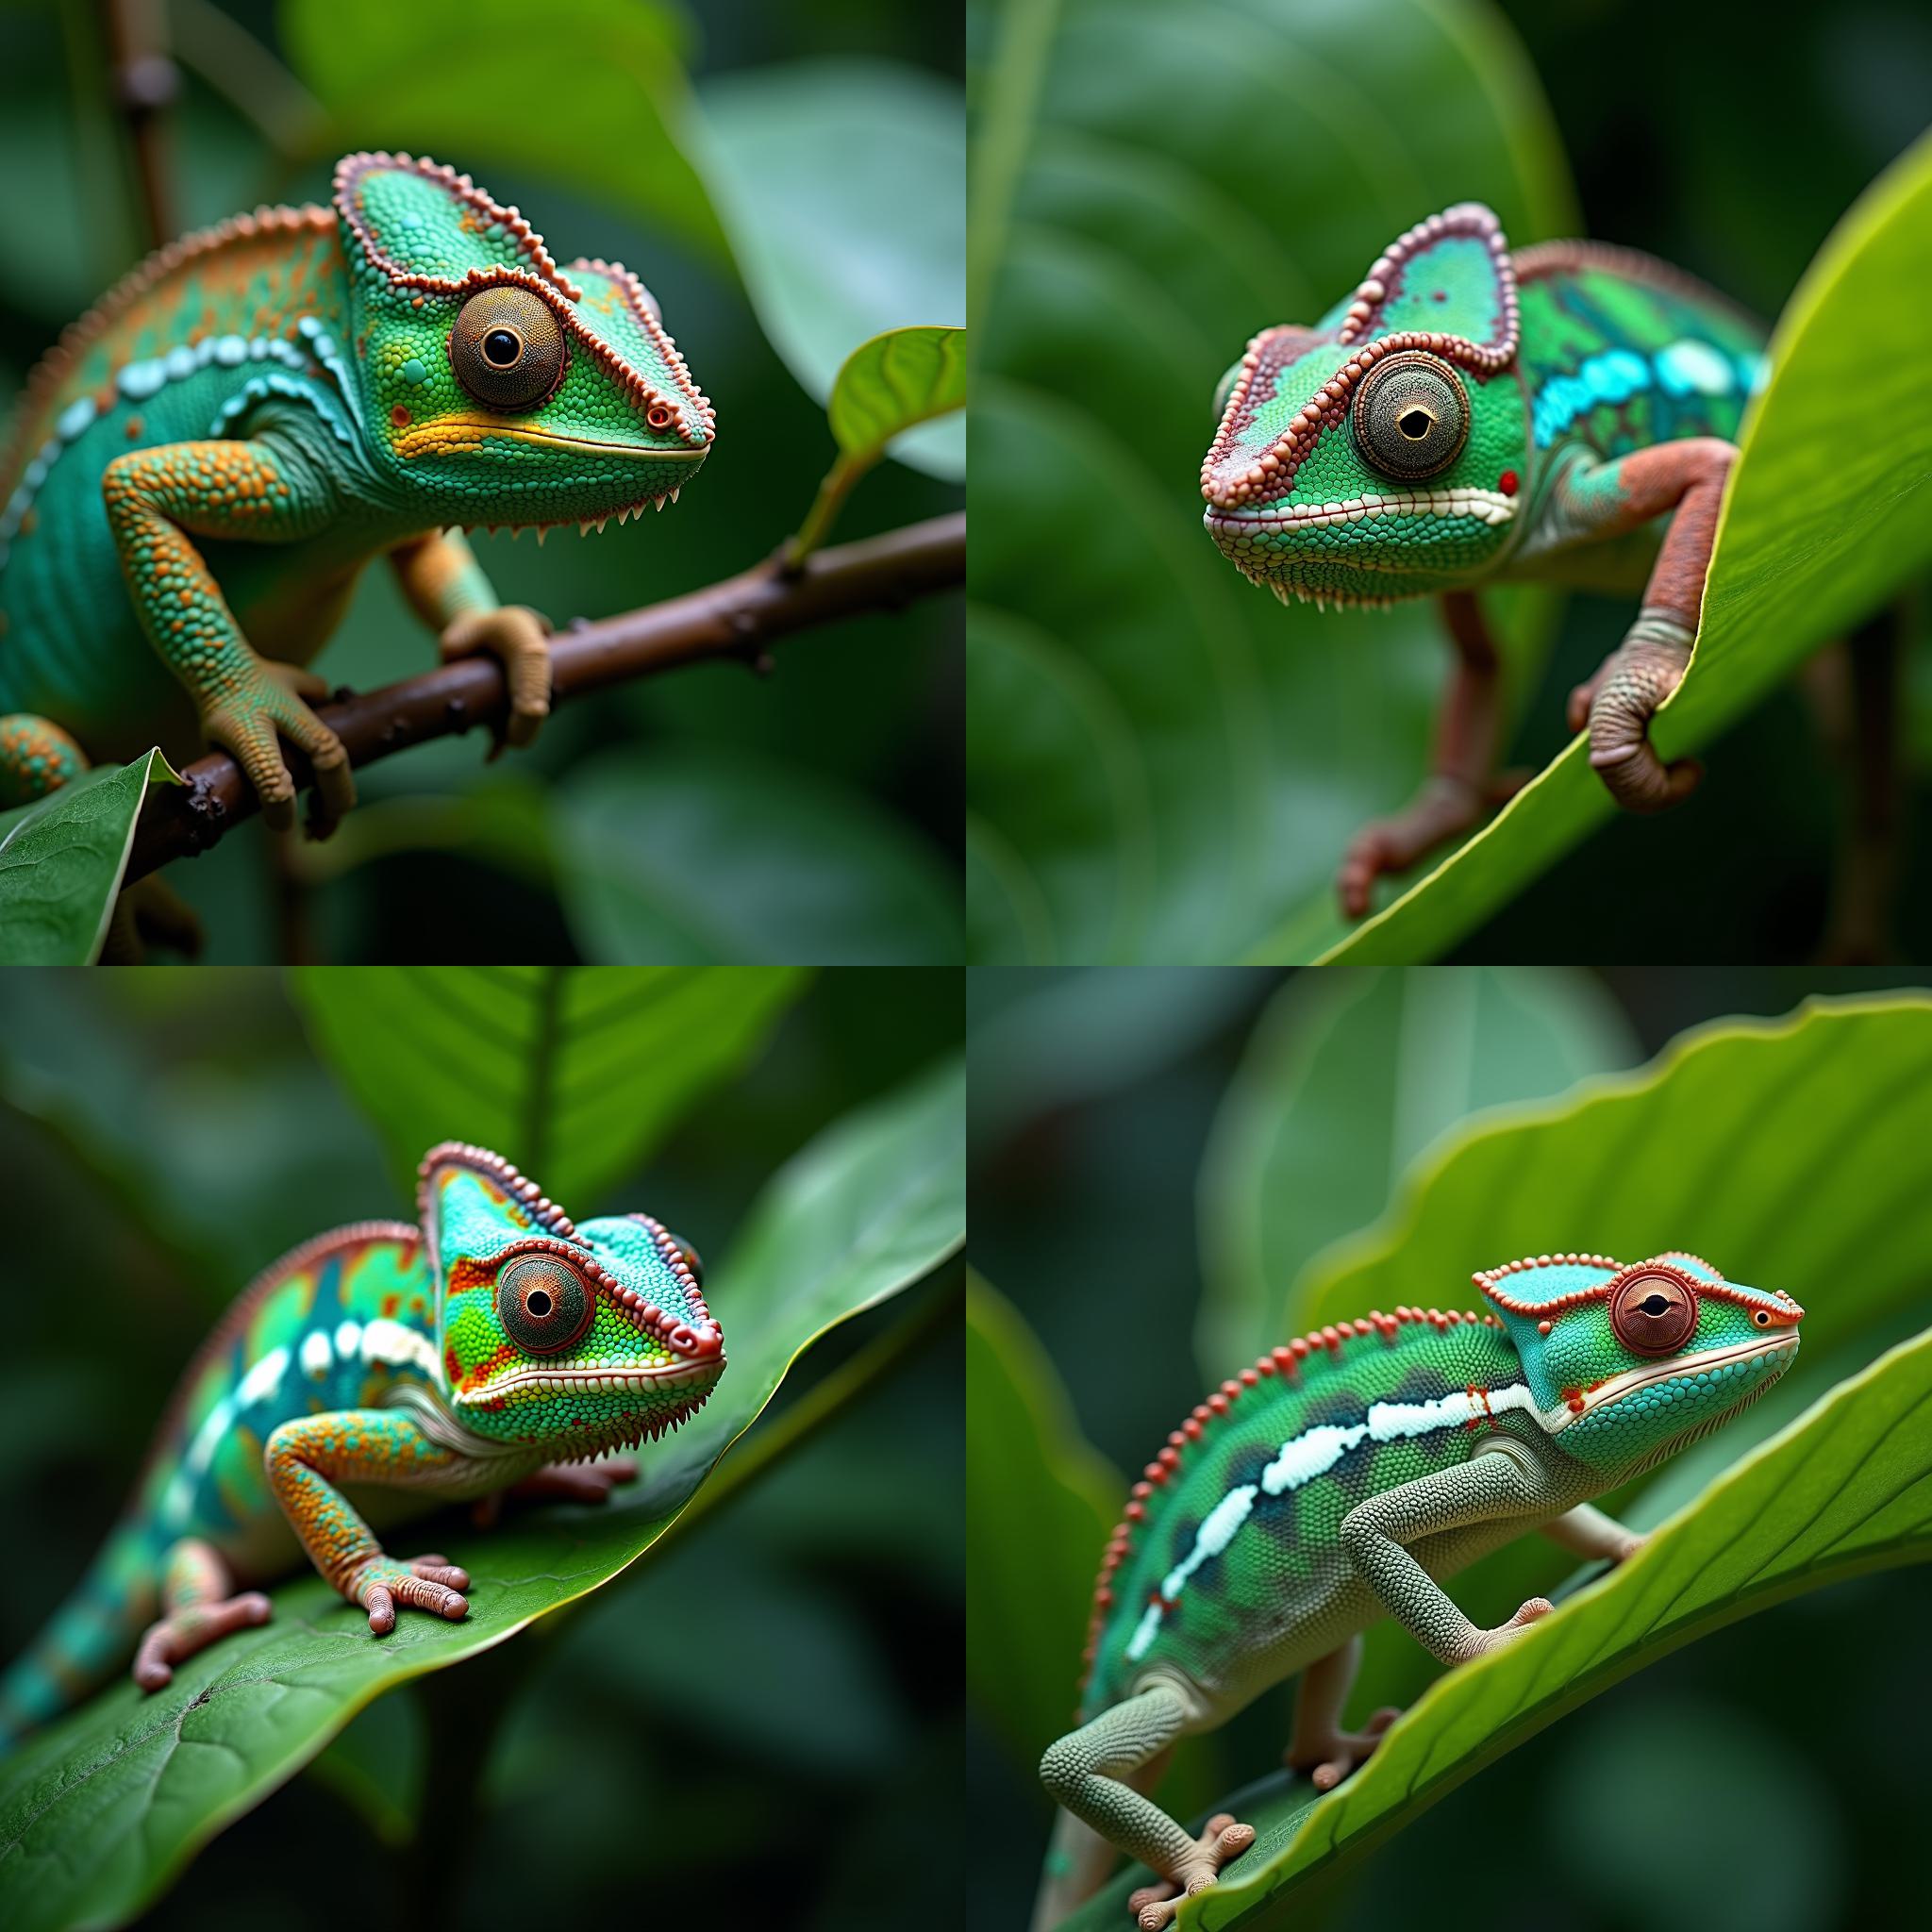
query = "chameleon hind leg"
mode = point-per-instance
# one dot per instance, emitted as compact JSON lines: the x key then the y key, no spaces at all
{"x":1463,"y":787}
{"x":36,"y":758}
{"x":1087,"y":1772}
{"x":1319,"y":1745}
{"x":308,"y":1456}
{"x":1685,"y":481}
{"x":263,"y":490}
{"x":199,"y":1610}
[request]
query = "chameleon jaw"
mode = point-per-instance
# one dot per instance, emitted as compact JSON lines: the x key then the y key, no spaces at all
{"x":593,"y":1381}
{"x":1560,"y":1417}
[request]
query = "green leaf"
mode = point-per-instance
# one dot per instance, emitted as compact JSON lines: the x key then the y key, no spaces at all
{"x":894,"y":381}
{"x":100,"y":1811}
{"x":61,"y":859}
{"x":1827,"y":514}
{"x":1041,"y":1502}
{"x":1845,"y":1491}
{"x":742,"y":859}
{"x":591,"y":92}
{"x":1164,"y":762}
{"x":573,"y":1076}
{"x":844,"y":185}
{"x":1348,"y":1077}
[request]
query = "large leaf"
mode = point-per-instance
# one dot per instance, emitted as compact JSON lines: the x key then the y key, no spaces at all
{"x":61,"y":859}
{"x":1348,"y":1077}
{"x":1845,"y":1491}
{"x":570,"y":1074}
{"x":1041,"y":1502}
{"x":1165,"y":763}
{"x":604,"y":100}
{"x":844,"y":184}
{"x":99,"y":1812}
{"x":1826,"y":516}
{"x":742,"y":859}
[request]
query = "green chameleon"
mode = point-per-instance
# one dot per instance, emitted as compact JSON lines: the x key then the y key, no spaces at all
{"x":1472,"y":417}
{"x":1337,"y":1480}
{"x":479,"y":1352}
{"x":199,"y":470}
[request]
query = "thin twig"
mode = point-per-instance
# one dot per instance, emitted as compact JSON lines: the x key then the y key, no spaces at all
{"x":145,"y":83}
{"x":737,"y":618}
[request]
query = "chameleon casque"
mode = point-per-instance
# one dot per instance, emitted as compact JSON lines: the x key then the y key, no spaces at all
{"x":199,"y":470}
{"x":480,"y":1350}
{"x":1471,"y":416}
{"x":1337,"y":1481}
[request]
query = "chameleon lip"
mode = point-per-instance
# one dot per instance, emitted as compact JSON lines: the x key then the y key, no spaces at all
{"x":1489,"y":505}
{"x":1620,"y":1386}
{"x":432,"y":433}
{"x":597,"y":1381}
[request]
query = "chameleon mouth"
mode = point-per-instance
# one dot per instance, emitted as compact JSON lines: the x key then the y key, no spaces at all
{"x":467,"y":432}
{"x":1674,"y":1370}
{"x":1488,"y":505}
{"x":595,"y":1381}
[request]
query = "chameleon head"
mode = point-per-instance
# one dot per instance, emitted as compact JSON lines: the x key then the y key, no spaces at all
{"x":1628,"y":1363}
{"x":1379,"y":454}
{"x":589,"y":1336}
{"x":504,"y":389}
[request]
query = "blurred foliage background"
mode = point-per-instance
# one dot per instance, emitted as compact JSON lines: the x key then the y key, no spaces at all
{"x":787,"y":181}
{"x":1157,"y":1156}
{"x":1166,"y":764}
{"x":766,"y":1712}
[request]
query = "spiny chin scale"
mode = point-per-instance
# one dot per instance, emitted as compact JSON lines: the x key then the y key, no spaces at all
{"x":585,"y":525}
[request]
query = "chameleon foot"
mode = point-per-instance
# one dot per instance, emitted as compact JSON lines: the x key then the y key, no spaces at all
{"x":1154,"y":1906}
{"x":520,"y":639}
{"x":1618,"y":703}
{"x":560,"y":1482}
{"x":1444,"y":808}
{"x":183,"y":1632}
{"x":424,"y":1583}
{"x":245,"y":725}
{"x":1331,"y":1759}
{"x":1506,"y":1634}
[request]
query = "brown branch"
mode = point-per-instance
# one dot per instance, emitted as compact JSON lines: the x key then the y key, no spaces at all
{"x":145,"y":83}
{"x":738,"y":618}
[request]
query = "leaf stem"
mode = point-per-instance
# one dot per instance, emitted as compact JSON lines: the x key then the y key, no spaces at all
{"x":824,"y":510}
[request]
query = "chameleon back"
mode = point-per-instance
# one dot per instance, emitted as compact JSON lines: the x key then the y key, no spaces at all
{"x":1228,"y":1569}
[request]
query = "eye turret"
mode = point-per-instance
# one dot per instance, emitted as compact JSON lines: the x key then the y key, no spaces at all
{"x":1411,"y":415}
{"x":544,"y":1304}
{"x":507,"y":348}
{"x":1654,"y":1312}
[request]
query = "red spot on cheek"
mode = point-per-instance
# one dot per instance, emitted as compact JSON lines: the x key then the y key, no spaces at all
{"x":1506,"y":482}
{"x":452,"y":1365}
{"x":399,"y":416}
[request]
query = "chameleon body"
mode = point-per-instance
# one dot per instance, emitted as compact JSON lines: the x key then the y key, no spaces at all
{"x":483,"y":1348}
{"x":1338,"y":1479}
{"x":196,"y":475}
{"x":1471,"y":416}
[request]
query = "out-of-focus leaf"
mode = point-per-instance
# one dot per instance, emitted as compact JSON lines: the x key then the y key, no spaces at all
{"x":1165,"y":764}
{"x":100,"y":1811}
{"x":843,"y":186}
{"x":1347,"y":1080}
{"x":1827,"y":514}
{"x":1845,"y":1491}
{"x":572,"y":1073}
{"x":61,"y":859}
{"x":588,"y":91}
{"x":718,"y":857}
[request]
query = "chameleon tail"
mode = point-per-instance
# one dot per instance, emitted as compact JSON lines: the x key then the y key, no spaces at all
{"x":86,"y":1641}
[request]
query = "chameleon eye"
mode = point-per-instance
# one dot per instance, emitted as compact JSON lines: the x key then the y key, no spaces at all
{"x":507,"y":349}
{"x":543,"y":1304}
{"x":1653,"y":1313}
{"x":1411,"y":415}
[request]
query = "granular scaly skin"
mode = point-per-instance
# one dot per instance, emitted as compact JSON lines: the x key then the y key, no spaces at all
{"x":447,"y":1361}
{"x":1340,"y":1479}
{"x":1469,"y":417}
{"x":200,"y":469}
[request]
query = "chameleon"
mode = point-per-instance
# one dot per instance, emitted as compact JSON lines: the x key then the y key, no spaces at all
{"x":493,"y":1345}
{"x":1473,"y":416}
{"x":199,"y":470}
{"x":1336,"y":1482}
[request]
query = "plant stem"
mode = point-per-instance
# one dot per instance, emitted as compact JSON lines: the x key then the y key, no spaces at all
{"x":824,"y":510}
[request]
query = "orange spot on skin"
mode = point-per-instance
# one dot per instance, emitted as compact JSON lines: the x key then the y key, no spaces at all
{"x":399,"y":416}
{"x":391,"y":1302}
{"x":452,"y":1366}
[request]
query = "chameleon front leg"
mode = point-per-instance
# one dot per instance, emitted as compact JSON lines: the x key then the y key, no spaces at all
{"x":1462,"y":788}
{"x":1319,"y":1745}
{"x":558,"y":1482}
{"x":447,"y":590}
{"x":258,"y":492}
{"x":307,"y":1457}
{"x":1684,"y":480}
{"x":195,"y":1590}
{"x":1087,"y":1772}
{"x":1491,"y":1484}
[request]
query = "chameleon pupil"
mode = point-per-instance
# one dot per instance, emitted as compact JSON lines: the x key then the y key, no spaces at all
{"x":1655,"y":1304}
{"x":538,"y":1304}
{"x":1416,"y":424}
{"x":501,"y":347}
